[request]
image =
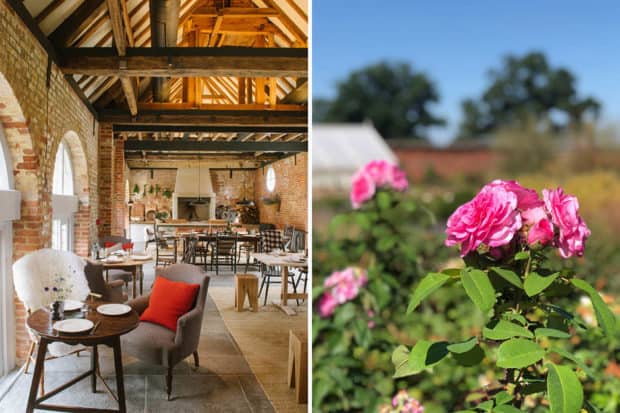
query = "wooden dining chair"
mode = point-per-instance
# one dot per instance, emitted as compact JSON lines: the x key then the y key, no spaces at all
{"x":225,"y":251}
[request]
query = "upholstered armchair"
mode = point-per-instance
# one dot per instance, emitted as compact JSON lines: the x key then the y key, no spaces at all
{"x":158,"y":345}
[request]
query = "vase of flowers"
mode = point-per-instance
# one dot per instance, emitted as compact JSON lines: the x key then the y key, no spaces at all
{"x":58,"y":291}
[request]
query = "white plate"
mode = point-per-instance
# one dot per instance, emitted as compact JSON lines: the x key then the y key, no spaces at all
{"x":113,"y":309}
{"x":72,"y":305}
{"x":73,"y":325}
{"x":113,"y":259}
{"x":140,"y":257}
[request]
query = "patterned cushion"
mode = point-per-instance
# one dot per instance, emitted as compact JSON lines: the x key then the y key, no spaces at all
{"x":271,"y":239}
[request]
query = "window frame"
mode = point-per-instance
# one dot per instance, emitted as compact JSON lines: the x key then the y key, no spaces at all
{"x":270,"y":179}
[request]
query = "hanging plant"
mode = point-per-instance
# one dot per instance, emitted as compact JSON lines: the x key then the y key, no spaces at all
{"x":144,"y":191}
{"x":271,"y":199}
{"x":167,"y":193}
{"x":151,"y":189}
{"x":157,"y":189}
{"x":136,"y":189}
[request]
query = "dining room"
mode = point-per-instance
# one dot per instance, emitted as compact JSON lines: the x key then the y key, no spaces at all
{"x":154,"y":192}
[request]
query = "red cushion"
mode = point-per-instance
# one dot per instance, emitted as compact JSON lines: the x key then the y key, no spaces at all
{"x":169,"y":300}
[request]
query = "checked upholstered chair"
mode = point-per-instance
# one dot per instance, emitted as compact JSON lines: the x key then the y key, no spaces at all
{"x":158,"y":345}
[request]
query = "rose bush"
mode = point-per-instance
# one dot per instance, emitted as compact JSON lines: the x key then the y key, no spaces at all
{"x":506,"y":234}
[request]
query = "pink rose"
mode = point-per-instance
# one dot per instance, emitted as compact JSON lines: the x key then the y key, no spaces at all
{"x":327,"y":305}
{"x":564,"y":210}
{"x":362,"y":188}
{"x":345,"y":284}
{"x":399,"y":179}
{"x":376,"y":174}
{"x":491,"y":218}
{"x":528,"y":202}
{"x":541,"y":232}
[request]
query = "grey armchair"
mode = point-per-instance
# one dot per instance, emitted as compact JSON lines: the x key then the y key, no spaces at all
{"x":155,"y":344}
{"x":110,"y":291}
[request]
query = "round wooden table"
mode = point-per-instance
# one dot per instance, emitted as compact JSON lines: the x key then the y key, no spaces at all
{"x":107,"y":330}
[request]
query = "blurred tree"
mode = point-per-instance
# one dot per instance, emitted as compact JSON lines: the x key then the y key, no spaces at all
{"x":523,"y":88}
{"x":320,"y":107}
{"x":391,"y":95}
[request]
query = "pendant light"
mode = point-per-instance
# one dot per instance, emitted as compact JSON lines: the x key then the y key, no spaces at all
{"x":244,"y":201}
{"x":199,"y":201}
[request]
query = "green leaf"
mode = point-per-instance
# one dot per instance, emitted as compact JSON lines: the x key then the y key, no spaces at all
{"x":564,"y":390}
{"x":517,"y":353}
{"x":425,"y":354}
{"x":504,"y":330}
{"x":427,"y":286}
{"x":506,"y":409}
{"x":515,"y":317}
{"x":478,"y":287}
{"x":523,"y":255}
{"x":606,"y":319}
{"x":452,"y":272}
{"x":536,"y":387}
{"x":503,"y":397}
{"x":400,"y":359}
{"x":469,"y":358}
{"x":578,"y":362}
{"x":485,"y":406}
{"x":509,"y":276}
{"x":551,"y":332}
{"x":463,"y":346}
{"x":536,"y":283}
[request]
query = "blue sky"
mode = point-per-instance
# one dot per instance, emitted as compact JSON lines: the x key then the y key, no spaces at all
{"x":456,"y":42}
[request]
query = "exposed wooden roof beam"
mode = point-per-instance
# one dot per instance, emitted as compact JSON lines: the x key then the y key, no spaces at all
{"x":77,"y":22}
{"x":287,"y":22}
{"x":297,"y":9}
{"x":209,"y":117}
{"x":187,"y":61}
{"x":241,"y":12}
{"x":127,"y":23}
{"x":120,"y":41}
{"x":297,"y":95}
{"x":208,"y":128}
{"x":224,"y":146}
{"x":49,"y":9}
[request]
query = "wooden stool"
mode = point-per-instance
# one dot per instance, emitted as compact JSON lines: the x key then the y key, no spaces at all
{"x":298,"y":364}
{"x":246,"y":284}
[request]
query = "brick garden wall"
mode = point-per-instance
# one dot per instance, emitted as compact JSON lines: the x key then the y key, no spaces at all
{"x":35,"y":119}
{"x":292,"y":187}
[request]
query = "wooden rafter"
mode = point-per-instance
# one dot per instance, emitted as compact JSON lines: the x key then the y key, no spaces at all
{"x":49,"y":9}
{"x":297,"y":95}
{"x":120,"y":41}
{"x":77,"y":22}
{"x":224,"y":146}
{"x":186,"y":61}
{"x":300,"y":36}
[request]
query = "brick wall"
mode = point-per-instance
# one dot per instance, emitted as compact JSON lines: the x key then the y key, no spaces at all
{"x":447,"y":163}
{"x":35,"y":119}
{"x":120,"y":173}
{"x":230,"y":190}
{"x":292,"y":187}
{"x":106,"y":164}
{"x":165,"y":178}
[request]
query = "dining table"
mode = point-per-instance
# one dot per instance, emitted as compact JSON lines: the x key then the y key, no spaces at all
{"x":106,"y":330}
{"x":129,"y":264}
{"x":284,"y":260}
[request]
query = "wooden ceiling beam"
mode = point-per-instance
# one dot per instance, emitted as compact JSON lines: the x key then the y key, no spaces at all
{"x":120,"y":41}
{"x":187,"y":61}
{"x":67,"y":32}
{"x":208,"y":117}
{"x":49,"y":9}
{"x":127,"y":23}
{"x":240,"y":12}
{"x":219,"y":146}
{"x":287,"y":22}
{"x":207,"y":128}
{"x":297,"y":95}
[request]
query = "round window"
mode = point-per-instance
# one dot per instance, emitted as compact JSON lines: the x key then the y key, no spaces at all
{"x":271,"y":179}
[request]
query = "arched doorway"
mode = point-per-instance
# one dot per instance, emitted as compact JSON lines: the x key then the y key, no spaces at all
{"x":10,"y":201}
{"x":11,"y":118}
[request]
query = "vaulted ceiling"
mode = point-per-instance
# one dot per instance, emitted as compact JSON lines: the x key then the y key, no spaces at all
{"x":185,"y":76}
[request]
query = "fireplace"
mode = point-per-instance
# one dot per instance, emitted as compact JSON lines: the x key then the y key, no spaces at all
{"x":189,"y":188}
{"x":193,"y":208}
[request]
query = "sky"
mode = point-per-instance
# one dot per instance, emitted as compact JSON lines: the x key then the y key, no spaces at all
{"x":457,"y":42}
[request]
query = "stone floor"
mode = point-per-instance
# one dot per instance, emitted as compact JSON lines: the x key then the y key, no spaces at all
{"x":224,"y":382}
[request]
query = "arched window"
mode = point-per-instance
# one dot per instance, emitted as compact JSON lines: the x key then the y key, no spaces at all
{"x":64,"y":200}
{"x":270,"y":179}
{"x":63,"y":172}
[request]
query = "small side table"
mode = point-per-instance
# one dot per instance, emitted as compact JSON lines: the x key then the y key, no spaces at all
{"x":246,"y":284}
{"x":298,"y":364}
{"x":108,"y":332}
